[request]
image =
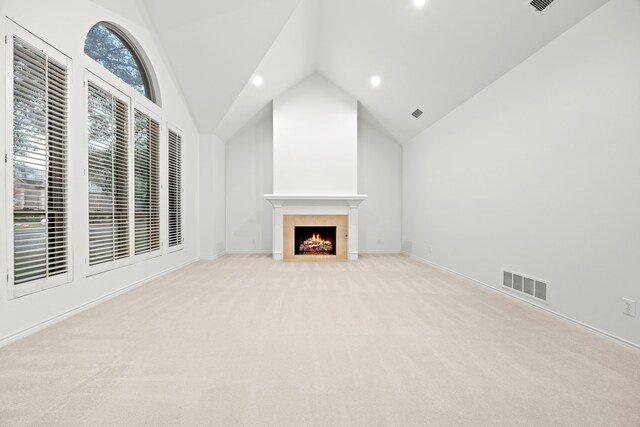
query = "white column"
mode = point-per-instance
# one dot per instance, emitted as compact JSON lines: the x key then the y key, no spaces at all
{"x":353,"y":229}
{"x":278,"y":234}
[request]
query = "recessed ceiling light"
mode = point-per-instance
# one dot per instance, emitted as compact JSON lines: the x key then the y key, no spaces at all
{"x":258,"y":80}
{"x":419,"y":3}
{"x":375,"y":81}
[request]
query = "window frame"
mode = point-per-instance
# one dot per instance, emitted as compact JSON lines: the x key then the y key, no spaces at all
{"x":180,"y":246}
{"x":115,"y":264}
{"x":114,"y":81}
{"x":146,"y":70}
{"x":27,"y":288}
{"x":107,"y":80}
{"x":133,"y":105}
{"x":162,"y":171}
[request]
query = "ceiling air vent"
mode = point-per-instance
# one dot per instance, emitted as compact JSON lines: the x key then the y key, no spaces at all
{"x":541,"y":5}
{"x":417,"y":113}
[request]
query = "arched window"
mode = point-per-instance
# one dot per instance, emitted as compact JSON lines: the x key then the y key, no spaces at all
{"x":114,"y":49}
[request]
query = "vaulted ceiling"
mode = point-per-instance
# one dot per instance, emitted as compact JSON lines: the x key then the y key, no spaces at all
{"x":433,"y":58}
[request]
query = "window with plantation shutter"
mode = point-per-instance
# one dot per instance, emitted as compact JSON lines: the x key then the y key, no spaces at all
{"x":40,"y":212}
{"x":108,"y":172}
{"x":115,"y":49}
{"x":146,"y":135}
{"x":175,"y":188}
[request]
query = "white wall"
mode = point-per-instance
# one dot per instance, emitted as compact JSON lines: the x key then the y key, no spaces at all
{"x":212,"y":196}
{"x":65,"y":25}
{"x":539,"y":173}
{"x":379,"y":177}
{"x":315,"y":149}
{"x":249,"y":176}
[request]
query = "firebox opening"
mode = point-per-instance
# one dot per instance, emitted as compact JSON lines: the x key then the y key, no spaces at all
{"x":315,"y":240}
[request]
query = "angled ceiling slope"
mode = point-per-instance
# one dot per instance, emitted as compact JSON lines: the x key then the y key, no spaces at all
{"x":291,"y":59}
{"x":214,"y":46}
{"x":433,"y":58}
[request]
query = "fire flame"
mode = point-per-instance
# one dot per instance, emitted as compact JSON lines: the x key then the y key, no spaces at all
{"x":316,"y":244}
{"x":316,"y":239}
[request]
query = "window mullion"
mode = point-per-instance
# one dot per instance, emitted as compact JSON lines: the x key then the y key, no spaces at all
{"x":47,"y":166}
{"x":114,"y":140}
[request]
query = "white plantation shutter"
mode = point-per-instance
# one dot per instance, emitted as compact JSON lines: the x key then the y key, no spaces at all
{"x":40,"y":216}
{"x":108,"y":145}
{"x":147,"y":183}
{"x":175,"y":188}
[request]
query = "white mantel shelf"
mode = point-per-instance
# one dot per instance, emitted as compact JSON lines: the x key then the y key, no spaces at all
{"x":354,"y":197}
{"x":293,"y":204}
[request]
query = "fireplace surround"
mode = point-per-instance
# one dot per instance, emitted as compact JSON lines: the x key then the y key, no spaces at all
{"x":339,"y":211}
{"x":329,"y":230}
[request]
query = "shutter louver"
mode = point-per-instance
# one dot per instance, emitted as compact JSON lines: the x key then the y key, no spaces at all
{"x":39,"y":165}
{"x":147,"y":183}
{"x":175,"y":189}
{"x":108,"y":119}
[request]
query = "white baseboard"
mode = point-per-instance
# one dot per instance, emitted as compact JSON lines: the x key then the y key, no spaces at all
{"x":72,"y":312}
{"x":530,"y":303}
{"x":212,"y":257}
{"x":249,"y":252}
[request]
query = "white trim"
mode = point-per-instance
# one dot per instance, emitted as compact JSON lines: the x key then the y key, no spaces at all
{"x":248,"y":252}
{"x":175,"y":129}
{"x":524,"y":300}
{"x":115,"y":81}
{"x":92,"y":270}
{"x":289,"y":204}
{"x":131,"y":43}
{"x":13,"y":291}
{"x":356,"y":198}
{"x":172,"y":249}
{"x":135,"y":106}
{"x":8,"y":165}
{"x":212,"y":257}
{"x":72,"y":312}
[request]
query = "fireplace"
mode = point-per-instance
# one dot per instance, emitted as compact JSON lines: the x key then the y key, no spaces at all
{"x":315,"y":240}
{"x":331,"y":218}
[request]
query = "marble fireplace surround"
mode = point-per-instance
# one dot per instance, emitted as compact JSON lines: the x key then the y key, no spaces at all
{"x":315,"y":205}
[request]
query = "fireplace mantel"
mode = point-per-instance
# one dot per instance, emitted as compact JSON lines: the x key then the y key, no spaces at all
{"x":355,"y":198}
{"x":292,"y":204}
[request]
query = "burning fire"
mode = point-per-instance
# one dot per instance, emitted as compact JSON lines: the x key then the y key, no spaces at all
{"x":317,"y":239}
{"x":316,"y":244}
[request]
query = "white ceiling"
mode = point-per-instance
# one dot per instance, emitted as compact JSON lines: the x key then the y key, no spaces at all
{"x":433,"y":58}
{"x":291,"y":59}
{"x":215,"y":45}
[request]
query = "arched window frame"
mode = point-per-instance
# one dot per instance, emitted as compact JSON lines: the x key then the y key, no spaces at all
{"x":107,"y":80}
{"x":148,"y":73}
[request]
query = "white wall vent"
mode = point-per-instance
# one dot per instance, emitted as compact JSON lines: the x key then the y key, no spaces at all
{"x":541,"y":5}
{"x":535,"y":288}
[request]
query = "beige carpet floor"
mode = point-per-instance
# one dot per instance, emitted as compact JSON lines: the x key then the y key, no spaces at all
{"x":385,"y":341}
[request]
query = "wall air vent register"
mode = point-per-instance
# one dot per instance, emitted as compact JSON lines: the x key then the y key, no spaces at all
{"x":538,"y":289}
